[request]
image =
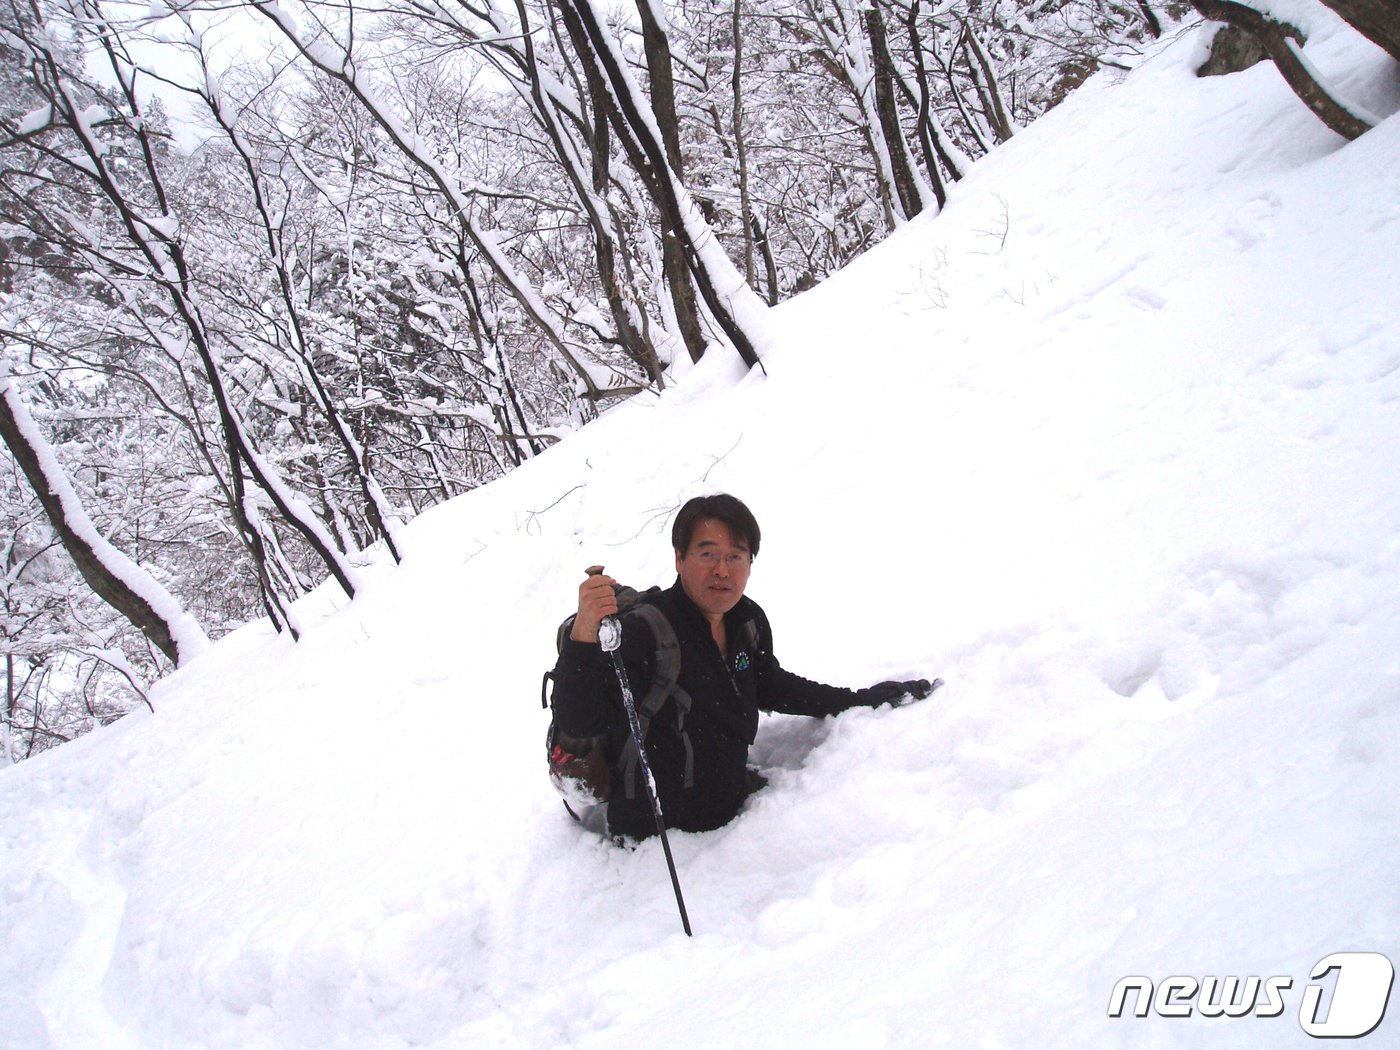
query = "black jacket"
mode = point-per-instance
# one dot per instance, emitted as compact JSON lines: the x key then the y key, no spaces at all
{"x":726,"y":697}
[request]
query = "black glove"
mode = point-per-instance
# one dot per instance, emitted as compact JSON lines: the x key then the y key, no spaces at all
{"x":897,"y":694}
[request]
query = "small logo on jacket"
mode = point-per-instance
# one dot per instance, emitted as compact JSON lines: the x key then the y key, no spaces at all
{"x":741,"y":662}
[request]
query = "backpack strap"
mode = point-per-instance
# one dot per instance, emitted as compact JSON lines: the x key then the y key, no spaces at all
{"x":666,"y":671}
{"x":748,"y":635}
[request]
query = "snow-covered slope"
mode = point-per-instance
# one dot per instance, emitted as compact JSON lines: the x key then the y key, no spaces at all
{"x":1111,"y":445}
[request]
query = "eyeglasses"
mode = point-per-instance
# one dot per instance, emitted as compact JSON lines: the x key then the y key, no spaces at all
{"x":735,"y":561}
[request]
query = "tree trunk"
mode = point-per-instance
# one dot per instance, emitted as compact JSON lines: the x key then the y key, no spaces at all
{"x":657,"y":48}
{"x":1377,"y":20}
{"x":841,"y":32}
{"x":113,"y":577}
{"x":1150,"y":19}
{"x":994,"y":107}
{"x":770,"y":265}
{"x":1282,"y":41}
{"x":734,"y":305}
{"x":591,"y":189}
{"x":741,"y":152}
{"x":911,"y":199}
{"x":929,"y":142}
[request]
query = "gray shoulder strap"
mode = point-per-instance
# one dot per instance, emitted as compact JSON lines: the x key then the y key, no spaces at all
{"x":667,"y":669}
{"x":666,"y":672}
{"x":749,"y":634}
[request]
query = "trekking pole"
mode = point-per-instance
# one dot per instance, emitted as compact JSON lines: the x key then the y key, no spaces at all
{"x":610,"y":638}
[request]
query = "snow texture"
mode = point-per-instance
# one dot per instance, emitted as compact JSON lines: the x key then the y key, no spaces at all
{"x":1110,"y":444}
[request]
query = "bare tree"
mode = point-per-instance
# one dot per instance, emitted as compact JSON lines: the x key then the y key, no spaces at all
{"x":114,"y":577}
{"x":271,"y":217}
{"x":656,"y":46}
{"x":915,"y":194}
{"x":106,"y":149}
{"x":338,"y":61}
{"x":734,"y":305}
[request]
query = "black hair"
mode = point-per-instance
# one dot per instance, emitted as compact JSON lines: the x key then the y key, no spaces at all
{"x":720,"y":507}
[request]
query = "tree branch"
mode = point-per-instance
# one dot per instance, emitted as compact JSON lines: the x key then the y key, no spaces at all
{"x":1283,"y":42}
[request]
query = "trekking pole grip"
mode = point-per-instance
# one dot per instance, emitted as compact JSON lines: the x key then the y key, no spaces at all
{"x":609,"y":631}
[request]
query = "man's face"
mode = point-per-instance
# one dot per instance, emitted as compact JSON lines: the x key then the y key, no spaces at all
{"x":715,"y":569}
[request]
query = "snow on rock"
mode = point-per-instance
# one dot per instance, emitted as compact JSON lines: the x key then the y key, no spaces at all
{"x":1109,"y":444}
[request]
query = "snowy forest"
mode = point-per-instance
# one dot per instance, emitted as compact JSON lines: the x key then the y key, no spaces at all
{"x":277,"y":277}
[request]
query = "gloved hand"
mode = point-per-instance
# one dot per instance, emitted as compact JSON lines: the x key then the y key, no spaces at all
{"x":896,"y":694}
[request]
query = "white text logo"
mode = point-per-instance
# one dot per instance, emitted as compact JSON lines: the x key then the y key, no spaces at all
{"x":1355,"y":1008}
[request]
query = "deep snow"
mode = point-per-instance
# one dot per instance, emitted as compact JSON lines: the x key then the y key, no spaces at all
{"x":1110,"y":445}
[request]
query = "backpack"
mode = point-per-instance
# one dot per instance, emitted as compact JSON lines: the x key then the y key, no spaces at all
{"x":578,"y":766}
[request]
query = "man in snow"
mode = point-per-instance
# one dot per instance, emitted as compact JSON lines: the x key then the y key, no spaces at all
{"x":727,"y":672}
